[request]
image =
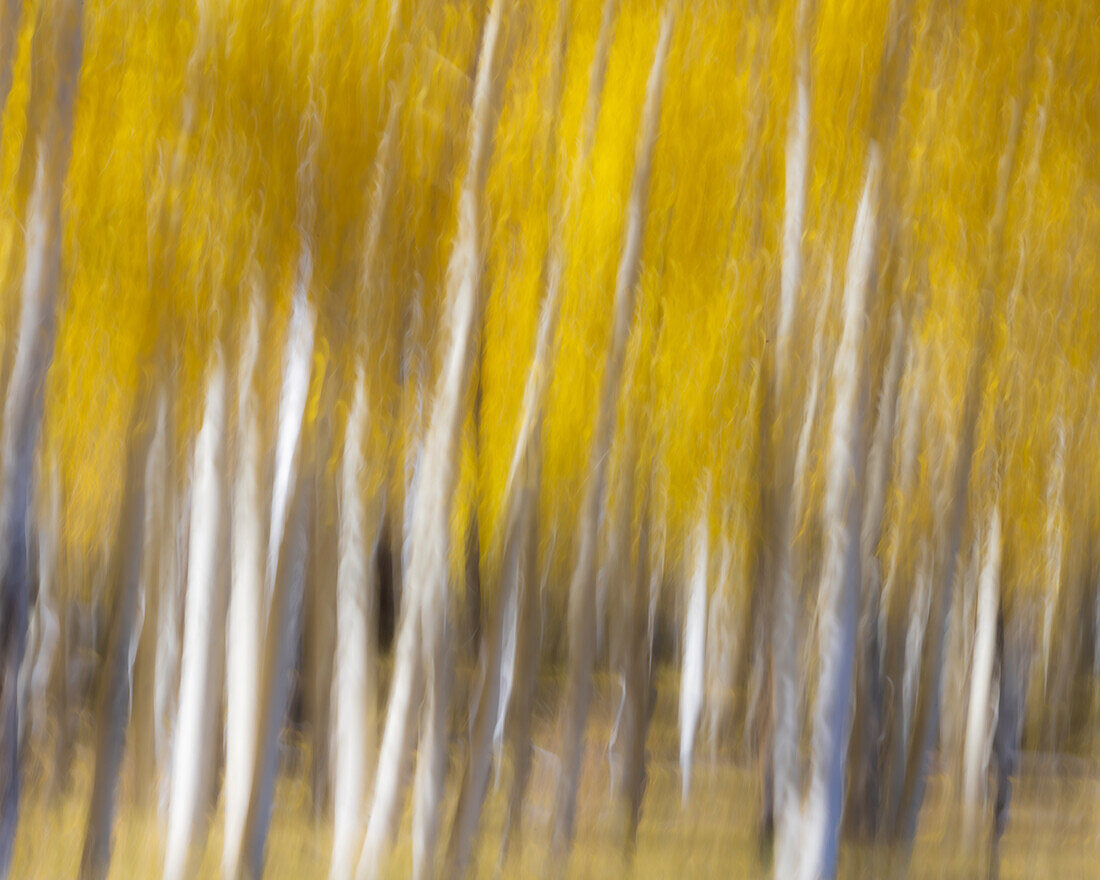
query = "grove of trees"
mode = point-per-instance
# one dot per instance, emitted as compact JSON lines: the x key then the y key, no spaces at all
{"x":364,"y":365}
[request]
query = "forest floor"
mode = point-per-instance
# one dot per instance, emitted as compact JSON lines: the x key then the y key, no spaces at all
{"x":1053,"y":829}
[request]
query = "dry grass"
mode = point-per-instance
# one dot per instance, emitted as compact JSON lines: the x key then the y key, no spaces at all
{"x":1054,"y":829}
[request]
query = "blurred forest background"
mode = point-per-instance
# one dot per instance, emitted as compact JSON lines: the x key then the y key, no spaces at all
{"x":558,"y":438}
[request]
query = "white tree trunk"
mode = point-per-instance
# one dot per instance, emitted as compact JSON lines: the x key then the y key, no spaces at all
{"x":292,"y":406}
{"x":978,"y":742}
{"x":22,"y":416}
{"x":430,"y":559}
{"x":787,"y":514}
{"x":204,"y":620}
{"x":722,"y":649}
{"x":172,"y":550}
{"x":247,"y":614}
{"x":693,"y":649}
{"x":424,"y":639}
{"x":355,"y":686}
{"x":283,"y":573}
{"x":796,"y":184}
{"x":394,"y":754}
{"x":280,"y":647}
{"x":841,"y":566}
{"x":48,"y":607}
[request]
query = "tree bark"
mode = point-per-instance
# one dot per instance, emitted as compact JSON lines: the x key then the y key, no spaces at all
{"x":976,"y":748}
{"x":841,"y":565}
{"x":693,"y":648}
{"x":246,"y":615}
{"x":23,"y":402}
{"x":194,"y":757}
{"x":424,"y":641}
{"x":116,"y":671}
{"x":355,"y":685}
{"x":283,"y":573}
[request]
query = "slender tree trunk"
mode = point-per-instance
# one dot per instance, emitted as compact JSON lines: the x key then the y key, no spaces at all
{"x":722,"y":650}
{"x":640,"y":695}
{"x":287,"y":536}
{"x":283,"y":576}
{"x":928,"y":714}
{"x":517,"y":549}
{"x":581,"y":611}
{"x":441,"y":451}
{"x":23,"y":403}
{"x":59,"y":706}
{"x":38,"y":668}
{"x":528,"y":642}
{"x":116,"y":672}
{"x":320,"y":613}
{"x":277,"y":672}
{"x":485,"y":717}
{"x":201,"y":671}
{"x":154,"y":524}
{"x":51,"y":671}
{"x":395,"y":750}
{"x":619,"y":579}
{"x":431,"y":760}
{"x":796,"y":185}
{"x":246,"y":615}
{"x":893,"y":620}
{"x":172,"y":550}
{"x":841,"y":566}
{"x":287,"y":541}
{"x":863,"y":800}
{"x":843,"y":507}
{"x":785,"y":514}
{"x":976,"y":748}
{"x":786,"y":640}
{"x":693,"y":649}
{"x":424,"y":642}
{"x":355,"y":684}
{"x":362,"y":533}
{"x":1015,"y":657}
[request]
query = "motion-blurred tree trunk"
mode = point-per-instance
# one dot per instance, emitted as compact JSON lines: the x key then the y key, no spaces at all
{"x":862,"y":798}
{"x":202,"y":662}
{"x":693,"y":643}
{"x":506,"y":692}
{"x":581,"y":603}
{"x":423,"y":653}
{"x":976,"y":747}
{"x":23,"y":398}
{"x":320,"y":611}
{"x":153,"y":527}
{"x":116,"y":670}
{"x":284,"y":570}
{"x":361,"y":533}
{"x":843,"y":506}
{"x":246,"y":611}
{"x":926,"y":721}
